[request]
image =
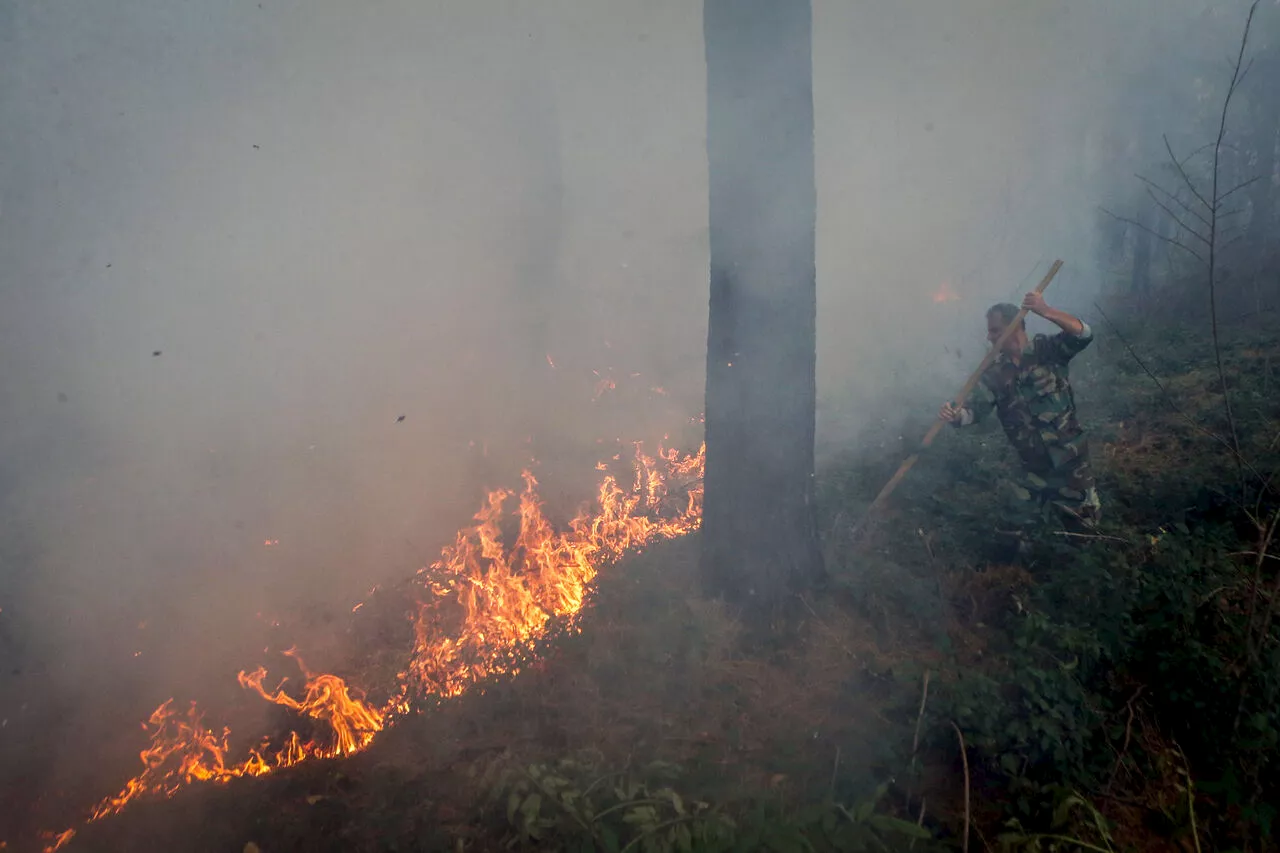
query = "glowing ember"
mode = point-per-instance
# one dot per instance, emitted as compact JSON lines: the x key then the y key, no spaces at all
{"x":946,"y":293}
{"x":483,"y":603}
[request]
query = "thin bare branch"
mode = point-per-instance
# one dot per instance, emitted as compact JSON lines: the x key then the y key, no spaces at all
{"x":1174,"y":406}
{"x":1097,"y":536}
{"x":1213,"y":236}
{"x":1184,"y":226}
{"x":1226,"y":195}
{"x":1186,"y":179}
{"x":1257,"y":509}
{"x":1265,"y":536}
{"x":1204,"y":147}
{"x":1247,"y":66}
{"x":1184,"y":247}
{"x":1258,"y":554}
{"x":1152,"y":185}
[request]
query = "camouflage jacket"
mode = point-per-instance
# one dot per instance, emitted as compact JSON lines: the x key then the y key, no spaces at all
{"x":1034,"y":402}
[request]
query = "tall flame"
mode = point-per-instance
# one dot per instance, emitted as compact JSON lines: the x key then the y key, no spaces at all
{"x":482,"y":603}
{"x":509,"y":596}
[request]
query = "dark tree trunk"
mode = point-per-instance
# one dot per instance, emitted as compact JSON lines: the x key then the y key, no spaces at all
{"x":759,"y":540}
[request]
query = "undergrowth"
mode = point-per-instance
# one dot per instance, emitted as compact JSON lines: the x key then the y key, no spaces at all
{"x":1133,"y":672}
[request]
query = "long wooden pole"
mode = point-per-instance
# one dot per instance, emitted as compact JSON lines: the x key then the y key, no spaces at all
{"x":959,"y":401}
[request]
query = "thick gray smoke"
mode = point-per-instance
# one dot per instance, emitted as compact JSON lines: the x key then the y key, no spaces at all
{"x":285,"y":285}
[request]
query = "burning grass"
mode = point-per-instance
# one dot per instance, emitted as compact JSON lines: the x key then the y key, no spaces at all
{"x":479,"y":607}
{"x":650,"y":671}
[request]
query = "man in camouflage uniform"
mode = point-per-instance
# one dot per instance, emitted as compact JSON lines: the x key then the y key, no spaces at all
{"x":1028,"y":388}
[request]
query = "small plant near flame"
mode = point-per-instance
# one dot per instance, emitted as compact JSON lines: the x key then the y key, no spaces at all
{"x":615,"y":812}
{"x":572,"y":806}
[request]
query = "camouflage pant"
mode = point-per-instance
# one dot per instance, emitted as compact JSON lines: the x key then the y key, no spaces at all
{"x":1070,"y":493}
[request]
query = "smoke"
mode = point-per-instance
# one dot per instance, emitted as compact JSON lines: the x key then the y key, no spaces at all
{"x":972,"y":144}
{"x":285,"y":285}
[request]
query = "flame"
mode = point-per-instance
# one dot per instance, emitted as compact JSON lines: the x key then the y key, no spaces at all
{"x":55,"y":840}
{"x":352,"y":722}
{"x":483,"y":603}
{"x":183,"y":750}
{"x":946,"y":293}
{"x":508,"y":597}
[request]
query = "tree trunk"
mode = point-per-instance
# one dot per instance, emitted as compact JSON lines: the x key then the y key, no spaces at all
{"x":759,"y":532}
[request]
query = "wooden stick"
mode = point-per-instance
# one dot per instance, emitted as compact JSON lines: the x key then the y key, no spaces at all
{"x":959,"y":401}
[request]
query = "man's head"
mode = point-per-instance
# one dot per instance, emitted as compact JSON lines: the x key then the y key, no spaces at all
{"x":998,"y":319}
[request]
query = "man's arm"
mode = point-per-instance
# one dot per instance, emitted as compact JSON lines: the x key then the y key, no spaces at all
{"x":1069,"y":323}
{"x":981,"y":402}
{"x":1075,"y":335}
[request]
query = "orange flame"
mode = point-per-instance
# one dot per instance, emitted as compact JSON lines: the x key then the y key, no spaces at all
{"x":946,"y":293}
{"x":484,"y":604}
{"x":353,"y":723}
{"x":509,"y":597}
{"x":183,"y":750}
{"x":56,"y":840}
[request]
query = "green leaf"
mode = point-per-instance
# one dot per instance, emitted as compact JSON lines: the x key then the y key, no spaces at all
{"x":640,"y":815}
{"x":530,"y":808}
{"x":1063,"y":811}
{"x":898,"y":826}
{"x":513,"y":804}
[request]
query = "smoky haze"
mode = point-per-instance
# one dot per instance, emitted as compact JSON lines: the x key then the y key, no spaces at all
{"x":239,"y":242}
